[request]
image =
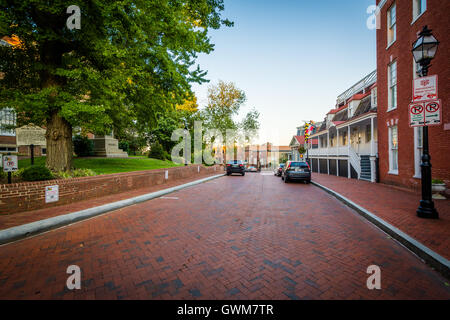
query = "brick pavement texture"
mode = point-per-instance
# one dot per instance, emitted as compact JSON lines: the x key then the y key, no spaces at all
{"x":235,"y":237}
{"x":398,"y":207}
{"x":20,"y":218}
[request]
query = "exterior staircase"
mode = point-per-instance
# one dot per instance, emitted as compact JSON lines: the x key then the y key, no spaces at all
{"x":366,"y":173}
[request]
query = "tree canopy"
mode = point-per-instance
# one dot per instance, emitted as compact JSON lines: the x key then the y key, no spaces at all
{"x":130,"y":60}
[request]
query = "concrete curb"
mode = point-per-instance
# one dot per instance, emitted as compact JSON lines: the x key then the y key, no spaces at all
{"x":33,"y":228}
{"x":429,"y":256}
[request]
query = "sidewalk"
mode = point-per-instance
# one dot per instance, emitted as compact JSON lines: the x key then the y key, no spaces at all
{"x":397,"y":207}
{"x":17,"y":219}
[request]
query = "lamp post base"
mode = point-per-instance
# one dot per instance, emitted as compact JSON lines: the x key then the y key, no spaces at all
{"x":427,"y":210}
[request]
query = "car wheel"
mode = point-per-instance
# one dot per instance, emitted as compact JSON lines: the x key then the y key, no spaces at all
{"x":286,"y":180}
{"x":243,"y":173}
{"x":308,"y":181}
{"x":228,"y":173}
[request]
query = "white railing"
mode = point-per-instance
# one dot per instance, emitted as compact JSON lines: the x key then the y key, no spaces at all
{"x":355,"y":161}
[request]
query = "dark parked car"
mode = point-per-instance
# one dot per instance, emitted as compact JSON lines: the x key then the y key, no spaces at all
{"x":235,"y":166}
{"x":296,"y":170}
{"x":278,"y":171}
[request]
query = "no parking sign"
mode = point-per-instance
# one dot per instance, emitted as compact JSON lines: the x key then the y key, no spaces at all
{"x":425,"y":113}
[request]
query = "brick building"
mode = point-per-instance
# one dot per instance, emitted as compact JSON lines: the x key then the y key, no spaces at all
{"x":399,"y":145}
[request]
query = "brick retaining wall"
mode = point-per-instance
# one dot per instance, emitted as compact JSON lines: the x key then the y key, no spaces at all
{"x":20,"y":197}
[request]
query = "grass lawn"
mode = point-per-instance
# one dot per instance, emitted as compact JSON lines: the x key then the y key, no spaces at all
{"x":109,"y":165}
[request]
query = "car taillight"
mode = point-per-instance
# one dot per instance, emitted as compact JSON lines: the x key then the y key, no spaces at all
{"x":228,"y":165}
{"x":241,"y":165}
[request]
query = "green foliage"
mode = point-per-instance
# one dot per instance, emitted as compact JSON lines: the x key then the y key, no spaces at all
{"x":224,"y":104}
{"x":74,"y":173}
{"x":437,"y":181}
{"x":124,"y":145}
{"x":302,"y":150}
{"x":83,"y":146}
{"x":109,"y":165}
{"x":130,"y":59}
{"x":36,"y":173}
{"x":157,"y":152}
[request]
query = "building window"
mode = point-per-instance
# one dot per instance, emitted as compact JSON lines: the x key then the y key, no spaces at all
{"x":368,"y":133}
{"x":393,"y":149}
{"x":419,"y":7}
{"x":344,"y":138}
{"x":374,"y":97}
{"x":392,"y":86}
{"x":7,"y":122}
{"x":392,"y":24}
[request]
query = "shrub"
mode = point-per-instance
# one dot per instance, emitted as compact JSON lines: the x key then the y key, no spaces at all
{"x":74,"y":174}
{"x":157,"y":151}
{"x":125,"y":146}
{"x":36,"y":173}
{"x":83,"y":173}
{"x":83,"y":146}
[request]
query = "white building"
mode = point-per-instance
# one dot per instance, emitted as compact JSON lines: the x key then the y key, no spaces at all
{"x":348,"y":136}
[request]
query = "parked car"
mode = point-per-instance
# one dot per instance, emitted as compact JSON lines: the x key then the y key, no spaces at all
{"x":235,"y":166}
{"x":252,"y":169}
{"x":296,"y":170}
{"x":279,"y":170}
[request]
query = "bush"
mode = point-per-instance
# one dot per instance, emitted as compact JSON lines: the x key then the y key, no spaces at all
{"x":157,"y":152}
{"x":37,"y":173}
{"x":125,"y":146}
{"x":83,"y":146}
{"x":74,"y":174}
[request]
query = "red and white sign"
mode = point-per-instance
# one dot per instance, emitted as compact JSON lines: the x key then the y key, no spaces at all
{"x":425,"y":89}
{"x":425,"y":113}
{"x":10,"y":163}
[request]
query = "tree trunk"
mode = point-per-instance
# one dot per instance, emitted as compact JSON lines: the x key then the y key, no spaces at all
{"x":59,"y":143}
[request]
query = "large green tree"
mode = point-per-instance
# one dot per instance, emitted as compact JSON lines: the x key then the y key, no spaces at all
{"x":130,"y":60}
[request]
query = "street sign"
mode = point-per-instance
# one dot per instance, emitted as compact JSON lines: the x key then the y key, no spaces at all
{"x":425,"y":113}
{"x":416,"y":114}
{"x":51,"y":194}
{"x":10,"y":163}
{"x":30,"y":135}
{"x":433,"y":112}
{"x":425,"y":89}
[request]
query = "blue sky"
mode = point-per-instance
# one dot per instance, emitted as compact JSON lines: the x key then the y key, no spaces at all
{"x":291,"y":57}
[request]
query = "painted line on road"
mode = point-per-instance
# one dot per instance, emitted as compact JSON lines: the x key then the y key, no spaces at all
{"x":38,"y":227}
{"x":432,"y":258}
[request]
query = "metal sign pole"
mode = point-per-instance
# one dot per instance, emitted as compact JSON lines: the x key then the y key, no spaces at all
{"x":32,"y":153}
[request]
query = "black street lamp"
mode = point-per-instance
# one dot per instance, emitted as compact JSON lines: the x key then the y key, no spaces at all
{"x":424,"y":50}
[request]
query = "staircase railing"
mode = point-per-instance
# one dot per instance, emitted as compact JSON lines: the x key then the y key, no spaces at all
{"x":355,"y":161}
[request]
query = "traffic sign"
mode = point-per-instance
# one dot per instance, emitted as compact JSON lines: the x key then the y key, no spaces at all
{"x":425,"y":113}
{"x":10,"y":163}
{"x":416,"y":114}
{"x":433,"y":112}
{"x":425,"y":89}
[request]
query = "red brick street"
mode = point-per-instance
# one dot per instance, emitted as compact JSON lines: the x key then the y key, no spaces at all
{"x":251,"y":237}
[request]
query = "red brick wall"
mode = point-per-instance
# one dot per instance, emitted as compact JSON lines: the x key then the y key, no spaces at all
{"x":7,"y":140}
{"x":19,"y":197}
{"x":437,"y":18}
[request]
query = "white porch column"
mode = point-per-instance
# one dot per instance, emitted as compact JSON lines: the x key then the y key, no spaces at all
{"x":337,"y":152}
{"x":349,"y":174}
{"x":319,"y":152}
{"x":328,"y":152}
{"x":372,"y":152}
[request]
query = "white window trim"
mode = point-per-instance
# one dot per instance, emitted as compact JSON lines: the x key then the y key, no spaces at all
{"x":392,"y":171}
{"x":417,"y":155}
{"x":389,"y":26}
{"x":390,"y":108}
{"x":415,"y":18}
